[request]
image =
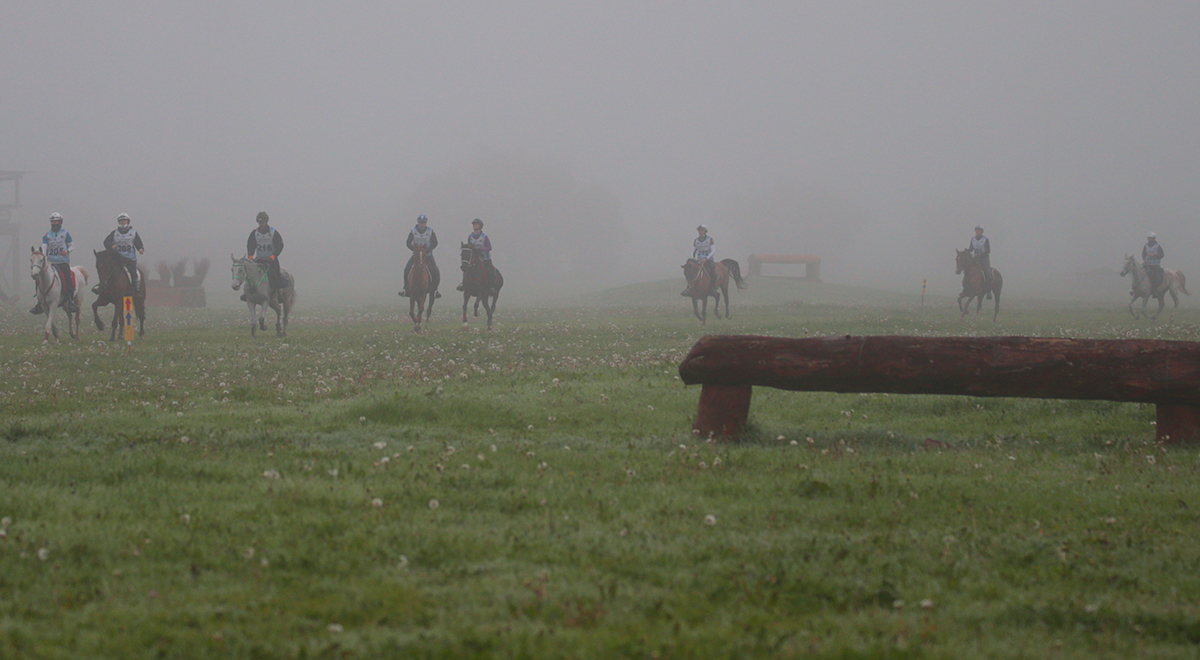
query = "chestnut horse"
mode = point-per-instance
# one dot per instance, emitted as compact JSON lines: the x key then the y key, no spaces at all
{"x":420,"y":288}
{"x":973,"y":284}
{"x":700,"y":288}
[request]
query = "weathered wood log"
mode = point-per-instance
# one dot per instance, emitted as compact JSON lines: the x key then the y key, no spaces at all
{"x":1165,"y":373}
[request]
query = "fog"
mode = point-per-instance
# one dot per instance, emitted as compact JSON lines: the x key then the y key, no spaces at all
{"x":592,"y":138}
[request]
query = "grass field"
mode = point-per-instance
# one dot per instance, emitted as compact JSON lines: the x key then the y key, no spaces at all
{"x":360,"y":491}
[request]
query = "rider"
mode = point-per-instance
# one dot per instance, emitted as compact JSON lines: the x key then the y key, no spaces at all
{"x":1152,"y":256}
{"x":704,"y":250}
{"x":482,"y":245}
{"x":57,"y":247}
{"x":981,"y":250}
{"x":422,"y":236}
{"x":264,"y":246}
{"x":125,"y":241}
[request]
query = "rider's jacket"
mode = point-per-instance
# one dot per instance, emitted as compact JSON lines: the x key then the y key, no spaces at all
{"x":703,"y":248}
{"x":263,"y":245}
{"x":980,"y":246}
{"x":481,"y":244}
{"x":126,"y":244}
{"x":426,"y":239}
{"x":57,"y":246}
{"x":1153,"y":255}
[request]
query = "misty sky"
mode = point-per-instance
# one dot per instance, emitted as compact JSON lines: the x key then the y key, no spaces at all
{"x":1068,"y":128}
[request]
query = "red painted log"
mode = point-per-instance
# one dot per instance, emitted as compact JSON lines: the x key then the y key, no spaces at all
{"x":1166,"y":373}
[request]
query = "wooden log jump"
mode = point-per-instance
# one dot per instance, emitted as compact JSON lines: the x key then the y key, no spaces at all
{"x":812,"y":265}
{"x":1165,"y":373}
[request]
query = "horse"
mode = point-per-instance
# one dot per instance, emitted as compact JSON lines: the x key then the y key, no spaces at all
{"x":476,"y":284}
{"x":259,"y":295}
{"x":49,"y":293}
{"x":1174,"y":282}
{"x":700,"y":288}
{"x":420,"y":287}
{"x":973,"y":284}
{"x":114,"y":287}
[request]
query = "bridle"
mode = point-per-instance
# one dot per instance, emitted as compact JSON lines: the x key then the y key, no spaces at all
{"x":39,"y":265}
{"x":244,"y":276}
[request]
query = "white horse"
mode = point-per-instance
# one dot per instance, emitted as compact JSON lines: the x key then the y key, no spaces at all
{"x":49,"y":292}
{"x":1173,"y":282}
{"x":258,"y":294}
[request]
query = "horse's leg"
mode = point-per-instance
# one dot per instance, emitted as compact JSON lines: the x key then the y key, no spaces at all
{"x":116,"y":321}
{"x":278,"y":316}
{"x":725,"y":292}
{"x":139,"y":306}
{"x":253,"y":321}
{"x":96,"y":315}
{"x":287,"y":310}
{"x":466,"y":301}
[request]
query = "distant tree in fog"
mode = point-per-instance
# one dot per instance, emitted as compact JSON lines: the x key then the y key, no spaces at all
{"x":790,"y":219}
{"x":549,"y":231}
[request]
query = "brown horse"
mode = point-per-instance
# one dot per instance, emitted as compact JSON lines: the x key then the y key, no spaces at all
{"x":477,"y":285}
{"x":973,"y":284}
{"x":700,"y":287}
{"x":114,"y":286}
{"x":419,"y":288}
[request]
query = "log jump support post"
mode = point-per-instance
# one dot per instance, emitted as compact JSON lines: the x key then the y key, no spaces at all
{"x":1165,"y":373}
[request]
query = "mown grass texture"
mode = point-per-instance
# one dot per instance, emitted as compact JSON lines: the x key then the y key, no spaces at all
{"x":358,"y":490}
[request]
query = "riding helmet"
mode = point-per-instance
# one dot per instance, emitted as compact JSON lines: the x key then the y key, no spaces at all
{"x":477,"y":221}
{"x":55,"y":217}
{"x":421,"y":218}
{"x":123,"y":216}
{"x":702,"y":228}
{"x":262,"y":217}
{"x":978,"y":227}
{"x":1151,"y":235}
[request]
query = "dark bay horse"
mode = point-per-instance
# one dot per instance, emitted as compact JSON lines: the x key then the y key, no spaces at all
{"x":114,"y":286}
{"x":477,"y":285}
{"x":700,"y":288}
{"x":973,"y":284}
{"x":420,"y":287}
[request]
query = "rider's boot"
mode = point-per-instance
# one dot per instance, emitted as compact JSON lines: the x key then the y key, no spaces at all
{"x":96,"y":289}
{"x":243,"y":296}
{"x":459,"y":287}
{"x":37,"y":309}
{"x":437,"y":294}
{"x":403,"y":292}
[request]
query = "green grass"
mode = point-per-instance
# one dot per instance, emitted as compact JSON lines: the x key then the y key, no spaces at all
{"x":360,"y":491}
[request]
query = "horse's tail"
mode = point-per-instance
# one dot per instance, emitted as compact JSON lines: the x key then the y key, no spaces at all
{"x":86,"y":275}
{"x":1182,"y":282}
{"x":735,"y":271}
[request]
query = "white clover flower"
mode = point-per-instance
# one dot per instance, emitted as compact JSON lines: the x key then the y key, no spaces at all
{"x":43,"y":554}
{"x":710,"y":520}
{"x":336,"y":628}
{"x":433,"y":504}
{"x":380,"y":444}
{"x":377,"y":502}
{"x":403,"y":563}
{"x":270,"y":474}
{"x":5,"y":521}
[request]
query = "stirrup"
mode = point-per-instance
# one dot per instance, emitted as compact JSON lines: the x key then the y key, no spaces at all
{"x":459,"y":287}
{"x":437,"y":294}
{"x":403,"y":293}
